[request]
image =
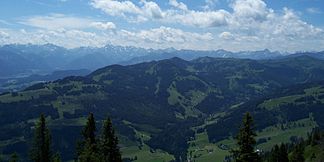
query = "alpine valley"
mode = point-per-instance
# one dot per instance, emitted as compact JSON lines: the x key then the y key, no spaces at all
{"x":165,"y":104}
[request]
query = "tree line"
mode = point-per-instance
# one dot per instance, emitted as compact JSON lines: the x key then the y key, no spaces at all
{"x":91,"y":148}
{"x":291,"y":152}
{"x":104,"y":148}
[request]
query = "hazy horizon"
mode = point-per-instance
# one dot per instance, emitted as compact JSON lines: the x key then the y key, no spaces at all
{"x":233,"y":25}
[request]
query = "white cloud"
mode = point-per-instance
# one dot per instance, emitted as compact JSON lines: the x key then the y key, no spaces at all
{"x":103,"y":26}
{"x":128,"y":10}
{"x":210,"y":4}
{"x":164,"y":37}
{"x":55,"y":21}
{"x":250,"y":9}
{"x":150,"y":10}
{"x":314,"y":10}
{"x":4,"y":36}
{"x":200,"y":18}
{"x":116,"y":8}
{"x":226,"y":36}
{"x":61,"y":21}
{"x":177,"y":4}
{"x":247,"y":25}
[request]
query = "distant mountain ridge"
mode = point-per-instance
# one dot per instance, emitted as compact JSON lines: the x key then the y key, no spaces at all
{"x":33,"y":59}
{"x":164,"y":99}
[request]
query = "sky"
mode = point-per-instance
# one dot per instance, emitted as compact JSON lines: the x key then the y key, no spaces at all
{"x":235,"y":25}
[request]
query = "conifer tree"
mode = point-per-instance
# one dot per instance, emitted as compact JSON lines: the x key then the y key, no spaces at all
{"x":315,"y":136}
{"x":279,"y":154}
{"x":246,"y":142}
{"x":109,"y":150}
{"x":87,"y":148}
{"x":275,"y":154}
{"x":298,"y":153}
{"x":283,"y":153}
{"x":90,"y":130}
{"x":41,"y":148}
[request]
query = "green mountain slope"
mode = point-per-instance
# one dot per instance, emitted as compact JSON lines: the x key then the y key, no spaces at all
{"x":154,"y":105}
{"x":284,"y":106}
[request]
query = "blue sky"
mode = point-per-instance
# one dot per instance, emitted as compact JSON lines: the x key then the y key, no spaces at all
{"x":284,"y":25}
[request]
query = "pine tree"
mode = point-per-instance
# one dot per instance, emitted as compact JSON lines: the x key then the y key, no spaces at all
{"x":283,"y":153}
{"x":88,"y":153}
{"x":279,"y":154}
{"x":298,"y":153}
{"x":87,"y":148}
{"x":41,"y":149}
{"x":109,"y":150}
{"x":315,"y":136}
{"x":246,"y":142}
{"x":90,"y":129}
{"x":275,"y":154}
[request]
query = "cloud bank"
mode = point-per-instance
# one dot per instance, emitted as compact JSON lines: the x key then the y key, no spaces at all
{"x":245,"y":25}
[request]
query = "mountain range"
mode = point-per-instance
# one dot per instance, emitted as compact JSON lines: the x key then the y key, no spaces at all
{"x":18,"y":59}
{"x":160,"y":108}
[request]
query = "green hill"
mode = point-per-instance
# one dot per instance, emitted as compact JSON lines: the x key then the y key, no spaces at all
{"x":158,"y":106}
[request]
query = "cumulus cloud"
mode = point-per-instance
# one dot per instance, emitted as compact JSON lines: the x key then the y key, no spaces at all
{"x":3,"y":34}
{"x":210,"y":4}
{"x":103,"y":25}
{"x":128,"y":10}
{"x":201,"y":19}
{"x":149,"y":10}
{"x":67,"y":38}
{"x":166,"y":35}
{"x":250,"y":9}
{"x":226,"y":36}
{"x":162,"y":37}
{"x":177,"y":4}
{"x":247,"y":25}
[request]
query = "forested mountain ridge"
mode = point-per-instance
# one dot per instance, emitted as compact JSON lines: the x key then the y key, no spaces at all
{"x":148,"y":101}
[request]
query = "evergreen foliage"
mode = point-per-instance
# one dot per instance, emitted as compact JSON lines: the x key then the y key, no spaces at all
{"x":41,"y":148}
{"x":297,"y":154}
{"x":246,"y":142}
{"x":87,"y":151}
{"x":279,"y":154}
{"x":109,"y":150}
{"x":104,"y":149}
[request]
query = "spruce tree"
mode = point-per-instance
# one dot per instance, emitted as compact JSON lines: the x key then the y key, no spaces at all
{"x":109,"y":150}
{"x":283,"y":153}
{"x":279,"y":154}
{"x":315,"y":136}
{"x":246,"y":142}
{"x":275,"y":154}
{"x":298,"y":153}
{"x":41,"y":148}
{"x":87,"y":148}
{"x":90,"y":130}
